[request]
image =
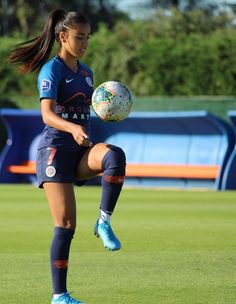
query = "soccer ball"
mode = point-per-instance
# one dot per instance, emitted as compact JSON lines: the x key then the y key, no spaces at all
{"x":112,"y":101}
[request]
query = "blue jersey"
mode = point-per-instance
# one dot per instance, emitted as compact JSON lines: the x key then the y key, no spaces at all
{"x":72,"y":92}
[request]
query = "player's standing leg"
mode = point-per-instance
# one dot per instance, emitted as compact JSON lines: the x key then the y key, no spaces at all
{"x":61,"y":201}
{"x":111,"y":161}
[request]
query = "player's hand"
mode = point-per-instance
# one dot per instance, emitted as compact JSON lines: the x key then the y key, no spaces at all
{"x":81,"y":137}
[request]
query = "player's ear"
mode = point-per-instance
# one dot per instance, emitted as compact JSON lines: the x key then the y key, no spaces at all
{"x":62,"y":36}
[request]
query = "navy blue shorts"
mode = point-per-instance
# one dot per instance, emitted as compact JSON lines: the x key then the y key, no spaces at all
{"x":58,"y":166}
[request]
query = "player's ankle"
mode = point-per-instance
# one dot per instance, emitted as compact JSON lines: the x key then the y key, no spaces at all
{"x":104,"y":217}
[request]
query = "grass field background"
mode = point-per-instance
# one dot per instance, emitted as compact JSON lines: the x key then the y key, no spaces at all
{"x":179,"y":247}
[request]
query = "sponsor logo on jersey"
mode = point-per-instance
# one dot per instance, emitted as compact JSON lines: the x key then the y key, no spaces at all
{"x":75,"y":116}
{"x":89,"y":81}
{"x":46,"y":85}
{"x":69,"y":80}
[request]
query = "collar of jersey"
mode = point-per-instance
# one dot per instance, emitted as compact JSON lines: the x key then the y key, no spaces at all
{"x":78,"y":64}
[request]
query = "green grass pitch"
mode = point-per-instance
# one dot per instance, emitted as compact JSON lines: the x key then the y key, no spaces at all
{"x":179,"y":247}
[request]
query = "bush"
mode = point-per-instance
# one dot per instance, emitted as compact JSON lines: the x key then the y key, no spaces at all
{"x":11,"y":82}
{"x":181,"y":54}
{"x":193,"y":64}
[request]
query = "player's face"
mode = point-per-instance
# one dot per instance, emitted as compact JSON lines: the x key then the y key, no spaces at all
{"x":75,"y":40}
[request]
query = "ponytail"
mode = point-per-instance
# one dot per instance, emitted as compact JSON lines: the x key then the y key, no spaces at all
{"x":31,"y":55}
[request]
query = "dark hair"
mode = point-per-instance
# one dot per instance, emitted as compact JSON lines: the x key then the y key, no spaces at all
{"x":31,"y":55}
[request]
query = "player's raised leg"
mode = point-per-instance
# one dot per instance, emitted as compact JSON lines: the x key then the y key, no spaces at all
{"x":111,"y":161}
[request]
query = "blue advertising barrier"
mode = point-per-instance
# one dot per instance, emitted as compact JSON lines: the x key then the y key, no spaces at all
{"x":229,"y":177}
{"x":23,"y":127}
{"x":170,"y":149}
{"x":188,"y":139}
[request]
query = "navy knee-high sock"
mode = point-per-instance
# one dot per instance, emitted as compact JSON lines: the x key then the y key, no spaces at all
{"x":113,"y":165}
{"x":59,"y":255}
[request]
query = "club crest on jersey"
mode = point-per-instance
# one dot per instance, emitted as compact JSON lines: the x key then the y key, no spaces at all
{"x":46,"y":85}
{"x":89,"y":81}
{"x":50,"y":171}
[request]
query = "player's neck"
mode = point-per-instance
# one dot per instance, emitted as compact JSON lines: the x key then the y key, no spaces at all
{"x":69,"y":60}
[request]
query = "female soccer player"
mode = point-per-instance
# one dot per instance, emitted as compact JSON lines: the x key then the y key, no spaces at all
{"x":65,"y":154}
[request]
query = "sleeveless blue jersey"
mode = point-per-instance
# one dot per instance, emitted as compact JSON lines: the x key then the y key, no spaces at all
{"x":72,"y":92}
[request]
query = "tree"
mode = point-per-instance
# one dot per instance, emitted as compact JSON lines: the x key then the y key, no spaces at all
{"x":20,"y":16}
{"x":96,"y":10}
{"x":166,"y":3}
{"x":27,"y":16}
{"x":186,"y":5}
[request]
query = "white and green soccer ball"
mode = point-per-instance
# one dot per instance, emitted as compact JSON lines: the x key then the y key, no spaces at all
{"x":112,"y":101}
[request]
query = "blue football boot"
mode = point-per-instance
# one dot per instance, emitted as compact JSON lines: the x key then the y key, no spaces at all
{"x":65,"y":298}
{"x":108,"y":237}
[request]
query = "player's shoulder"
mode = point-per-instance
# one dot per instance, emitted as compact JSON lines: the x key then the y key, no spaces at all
{"x":86,"y":68}
{"x":52,"y":68}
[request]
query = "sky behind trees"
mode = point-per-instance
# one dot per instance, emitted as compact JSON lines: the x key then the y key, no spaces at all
{"x":139,"y":8}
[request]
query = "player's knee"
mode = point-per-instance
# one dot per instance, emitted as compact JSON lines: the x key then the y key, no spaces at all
{"x":114,"y":158}
{"x":67,"y":223}
{"x":64,"y":233}
{"x":119,"y":156}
